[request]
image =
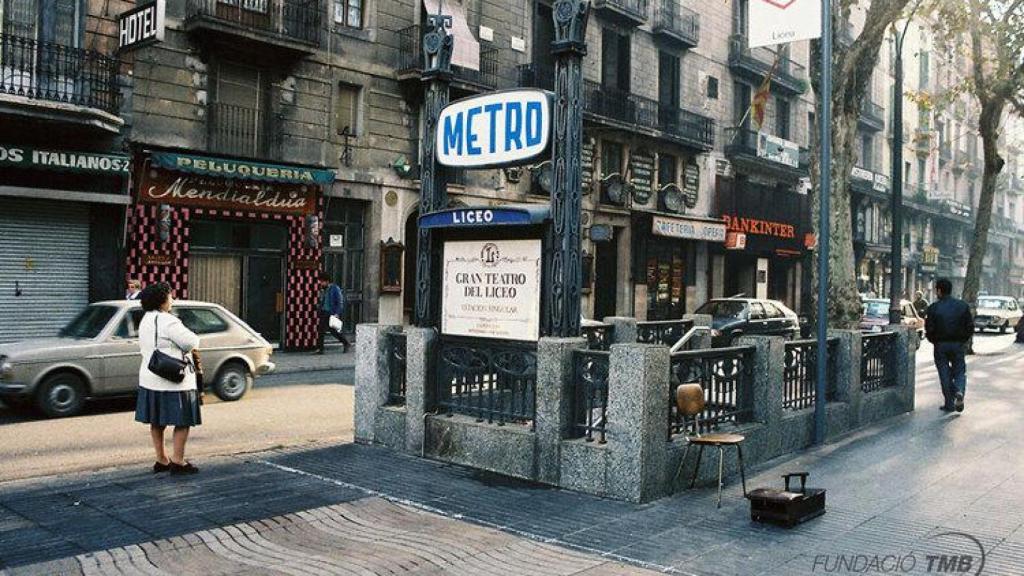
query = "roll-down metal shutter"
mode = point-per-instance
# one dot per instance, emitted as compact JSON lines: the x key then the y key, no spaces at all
{"x":44,"y":266}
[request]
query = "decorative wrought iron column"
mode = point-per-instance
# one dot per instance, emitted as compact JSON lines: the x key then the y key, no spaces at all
{"x":437,"y":56}
{"x":564,"y":268}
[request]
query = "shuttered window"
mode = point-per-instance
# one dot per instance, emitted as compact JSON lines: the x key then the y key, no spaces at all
{"x":347,"y":112}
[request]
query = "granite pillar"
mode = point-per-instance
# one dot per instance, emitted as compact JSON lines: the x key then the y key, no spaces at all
{"x":554,"y":406}
{"x":638,"y":395}
{"x":420,"y":394}
{"x":372,"y":377}
{"x":764,"y":402}
{"x":624,"y":329}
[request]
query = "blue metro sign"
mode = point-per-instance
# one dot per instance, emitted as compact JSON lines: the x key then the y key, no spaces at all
{"x":503,"y":128}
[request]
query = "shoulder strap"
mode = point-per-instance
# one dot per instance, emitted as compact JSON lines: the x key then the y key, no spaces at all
{"x":156,"y":330}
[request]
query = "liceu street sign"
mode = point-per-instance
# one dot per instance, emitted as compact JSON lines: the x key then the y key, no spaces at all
{"x":503,"y":128}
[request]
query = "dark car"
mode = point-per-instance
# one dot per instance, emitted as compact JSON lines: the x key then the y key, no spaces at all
{"x":735,"y":317}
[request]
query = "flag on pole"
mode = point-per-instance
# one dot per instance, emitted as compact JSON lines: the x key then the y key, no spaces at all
{"x":759,"y":104}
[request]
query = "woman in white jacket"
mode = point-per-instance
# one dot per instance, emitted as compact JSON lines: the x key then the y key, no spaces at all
{"x":161,"y":402}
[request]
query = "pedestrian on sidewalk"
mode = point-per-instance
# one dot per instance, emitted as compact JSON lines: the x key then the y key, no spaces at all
{"x":134,"y":289}
{"x":162,"y":402}
{"x":920,"y":304}
{"x":949,"y":325}
{"x":332,"y":306}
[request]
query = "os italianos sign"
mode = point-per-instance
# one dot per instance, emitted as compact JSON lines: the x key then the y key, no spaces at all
{"x":503,"y":128}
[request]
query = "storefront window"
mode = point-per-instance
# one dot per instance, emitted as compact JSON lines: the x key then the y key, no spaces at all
{"x":666,"y":281}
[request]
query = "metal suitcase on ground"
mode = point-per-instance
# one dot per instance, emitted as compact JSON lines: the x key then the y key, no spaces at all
{"x":785,"y":507}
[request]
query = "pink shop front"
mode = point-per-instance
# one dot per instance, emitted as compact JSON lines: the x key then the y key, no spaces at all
{"x":243,"y":234}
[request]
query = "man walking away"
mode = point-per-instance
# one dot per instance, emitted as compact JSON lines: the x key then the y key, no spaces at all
{"x":332,"y":303}
{"x":949,"y":325}
{"x":920,"y":304}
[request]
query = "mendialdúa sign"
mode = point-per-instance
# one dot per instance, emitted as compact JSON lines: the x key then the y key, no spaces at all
{"x":503,"y":128}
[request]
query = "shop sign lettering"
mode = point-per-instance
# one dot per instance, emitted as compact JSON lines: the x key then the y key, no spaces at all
{"x":504,"y":128}
{"x":141,"y":25}
{"x":165,"y":187}
{"x":760,"y":227}
{"x":22,"y":157}
{"x":688,"y":229}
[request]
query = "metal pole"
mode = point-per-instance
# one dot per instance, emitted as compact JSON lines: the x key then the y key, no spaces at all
{"x":437,"y":56}
{"x":896,"y":202}
{"x":564,"y":265}
{"x":824,"y":191}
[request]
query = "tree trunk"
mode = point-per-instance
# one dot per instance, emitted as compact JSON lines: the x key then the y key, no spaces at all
{"x":988,"y":126}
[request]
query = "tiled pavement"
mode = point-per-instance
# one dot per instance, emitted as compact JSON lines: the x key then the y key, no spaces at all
{"x":895,"y":491}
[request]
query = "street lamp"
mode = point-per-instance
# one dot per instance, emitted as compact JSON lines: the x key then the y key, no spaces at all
{"x":896,"y":202}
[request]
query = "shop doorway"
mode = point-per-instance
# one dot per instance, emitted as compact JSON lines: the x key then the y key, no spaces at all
{"x":240,"y":265}
{"x":344,"y":254}
{"x":606,"y":267}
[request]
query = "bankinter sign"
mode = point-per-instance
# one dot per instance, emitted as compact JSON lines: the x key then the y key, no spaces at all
{"x":503,"y":128}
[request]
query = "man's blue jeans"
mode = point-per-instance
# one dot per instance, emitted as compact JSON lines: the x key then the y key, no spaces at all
{"x":949,"y":361}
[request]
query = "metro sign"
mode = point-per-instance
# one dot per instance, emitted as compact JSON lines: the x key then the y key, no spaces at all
{"x":781,"y":3}
{"x":504,"y":128}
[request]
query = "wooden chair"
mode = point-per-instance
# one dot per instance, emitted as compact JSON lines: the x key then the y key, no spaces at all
{"x":690,"y":403}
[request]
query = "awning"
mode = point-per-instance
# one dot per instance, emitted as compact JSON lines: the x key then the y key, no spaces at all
{"x":473,"y":217}
{"x":241,"y":169}
{"x":465,"y":50}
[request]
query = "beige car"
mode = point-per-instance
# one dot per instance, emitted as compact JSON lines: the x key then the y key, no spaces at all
{"x":97,"y":354}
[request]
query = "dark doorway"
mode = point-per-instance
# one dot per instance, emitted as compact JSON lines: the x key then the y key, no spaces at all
{"x":264,"y":298}
{"x":344,"y":254}
{"x":409,"y":279}
{"x":605,"y":275}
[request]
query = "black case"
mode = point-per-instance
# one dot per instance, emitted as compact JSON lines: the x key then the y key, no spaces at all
{"x":785,"y":507}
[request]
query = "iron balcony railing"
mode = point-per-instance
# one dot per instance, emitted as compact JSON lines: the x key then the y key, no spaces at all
{"x":629,"y":11}
{"x":872,"y":115}
{"x":676,"y":22}
{"x":789,"y":76}
{"x":236,"y":130}
{"x":410,"y":59}
{"x":57,"y":73}
{"x":293,"y":20}
{"x":740,"y":141}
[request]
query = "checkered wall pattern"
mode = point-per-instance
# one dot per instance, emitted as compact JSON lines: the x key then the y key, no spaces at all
{"x":301,"y":282}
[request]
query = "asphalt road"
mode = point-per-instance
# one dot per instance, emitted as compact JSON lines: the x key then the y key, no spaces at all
{"x":107,"y":435}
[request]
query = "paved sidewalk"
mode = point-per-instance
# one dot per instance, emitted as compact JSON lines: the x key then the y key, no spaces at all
{"x":305,"y":361}
{"x":918,"y":486}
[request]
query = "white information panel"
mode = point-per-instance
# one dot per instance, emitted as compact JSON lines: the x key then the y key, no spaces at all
{"x":491,"y":289}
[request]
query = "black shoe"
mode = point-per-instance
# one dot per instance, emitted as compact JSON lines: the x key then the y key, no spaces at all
{"x":158,"y":467}
{"x":186,"y":468}
{"x":946,"y":408}
{"x":959,"y":402}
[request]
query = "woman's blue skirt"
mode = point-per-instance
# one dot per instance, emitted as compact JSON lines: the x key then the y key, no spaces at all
{"x":168,"y":408}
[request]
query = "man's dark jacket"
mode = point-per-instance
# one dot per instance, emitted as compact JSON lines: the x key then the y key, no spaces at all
{"x":949,"y":320}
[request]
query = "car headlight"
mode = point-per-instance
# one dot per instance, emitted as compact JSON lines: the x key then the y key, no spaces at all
{"x":6,"y":368}
{"x":876,"y":328}
{"x":715,"y":333}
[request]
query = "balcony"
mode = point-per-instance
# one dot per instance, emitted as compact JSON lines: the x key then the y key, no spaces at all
{"x":872,"y":116}
{"x":678,"y":24}
{"x":754,"y":63}
{"x":869,"y":182}
{"x":410,"y":63}
{"x":237,"y":131}
{"x":766,"y":154}
{"x":48,"y":81}
{"x":945,"y":151}
{"x":625,"y":12}
{"x":922,"y":140}
{"x":293,"y":25}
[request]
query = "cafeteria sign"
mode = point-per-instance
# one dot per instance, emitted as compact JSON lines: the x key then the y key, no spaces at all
{"x":492,"y":289}
{"x":504,"y":128}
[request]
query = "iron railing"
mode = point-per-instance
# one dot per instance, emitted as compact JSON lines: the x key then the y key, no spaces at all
{"x":945,"y":151}
{"x":665,"y":332}
{"x":727,"y":377}
{"x":236,"y":130}
{"x":878,"y":361}
{"x":872,"y":115}
{"x":491,"y":381}
{"x":629,"y":108}
{"x":789,"y":75}
{"x":57,"y":73}
{"x":536,"y":75}
{"x":396,"y":352}
{"x":599,"y":336}
{"x":800,"y":373}
{"x":590,"y":382}
{"x":410,"y":59}
{"x":743,"y":141}
{"x":636,"y":9}
{"x":676,"y":21}
{"x":296,"y":20}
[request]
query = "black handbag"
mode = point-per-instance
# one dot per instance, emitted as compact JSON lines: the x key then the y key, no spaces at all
{"x":162,"y":364}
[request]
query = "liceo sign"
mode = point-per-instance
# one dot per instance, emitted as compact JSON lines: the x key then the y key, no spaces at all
{"x":503,"y":128}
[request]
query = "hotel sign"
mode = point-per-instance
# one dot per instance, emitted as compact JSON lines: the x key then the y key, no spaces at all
{"x":141,"y":25}
{"x":504,"y":128}
{"x":688,"y":229}
{"x":491,"y":289}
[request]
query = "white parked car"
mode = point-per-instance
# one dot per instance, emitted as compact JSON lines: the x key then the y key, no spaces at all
{"x":997,"y":312}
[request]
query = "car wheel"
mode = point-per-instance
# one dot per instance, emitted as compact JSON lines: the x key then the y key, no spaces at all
{"x":233,"y":382}
{"x":61,"y":394}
